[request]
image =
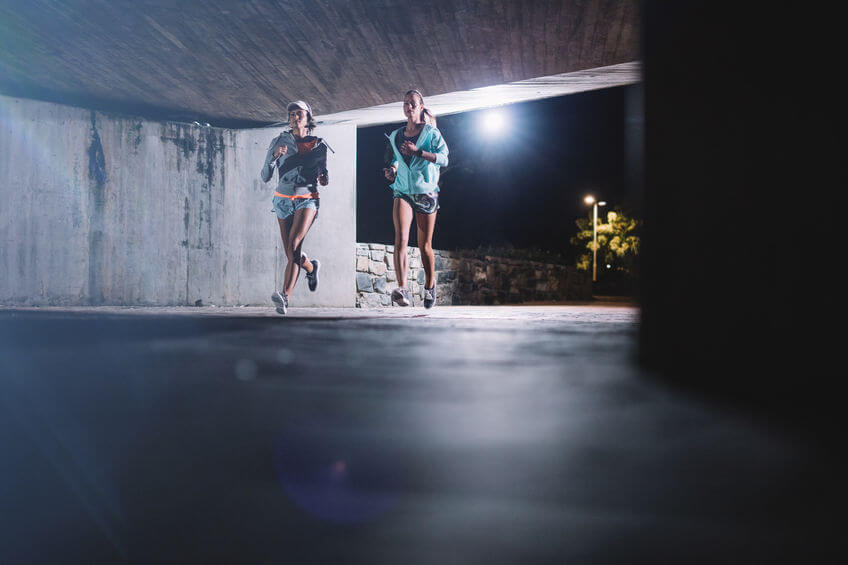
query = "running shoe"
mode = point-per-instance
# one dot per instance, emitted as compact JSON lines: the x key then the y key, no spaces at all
{"x":282,"y":302}
{"x":429,"y":297}
{"x":312,"y":278}
{"x":401,"y":297}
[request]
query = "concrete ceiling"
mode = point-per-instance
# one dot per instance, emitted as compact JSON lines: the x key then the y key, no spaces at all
{"x":229,"y":61}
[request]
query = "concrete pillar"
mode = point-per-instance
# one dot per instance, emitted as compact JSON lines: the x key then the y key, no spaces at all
{"x":741,"y":159}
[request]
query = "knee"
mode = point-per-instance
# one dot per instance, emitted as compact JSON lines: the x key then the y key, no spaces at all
{"x":401,"y":239}
{"x":426,"y":248}
{"x":293,"y":253}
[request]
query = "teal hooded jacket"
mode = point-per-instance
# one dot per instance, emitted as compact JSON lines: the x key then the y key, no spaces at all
{"x":420,"y":175}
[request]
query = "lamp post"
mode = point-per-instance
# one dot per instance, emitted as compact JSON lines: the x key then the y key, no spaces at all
{"x":594,"y":203}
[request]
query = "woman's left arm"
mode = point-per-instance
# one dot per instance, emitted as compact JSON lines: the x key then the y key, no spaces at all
{"x":323,"y":173}
{"x":439,"y":153}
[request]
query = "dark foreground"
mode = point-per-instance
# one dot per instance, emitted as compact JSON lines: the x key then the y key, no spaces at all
{"x":487,"y":435}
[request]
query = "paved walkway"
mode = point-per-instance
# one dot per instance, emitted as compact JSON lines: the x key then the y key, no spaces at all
{"x":549,"y":311}
{"x":457,"y":435}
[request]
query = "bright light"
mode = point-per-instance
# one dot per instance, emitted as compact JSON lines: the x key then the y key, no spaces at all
{"x":602,"y":203}
{"x":493,"y":121}
{"x":589,"y":199}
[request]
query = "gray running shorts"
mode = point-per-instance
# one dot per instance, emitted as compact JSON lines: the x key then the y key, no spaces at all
{"x":425,"y":203}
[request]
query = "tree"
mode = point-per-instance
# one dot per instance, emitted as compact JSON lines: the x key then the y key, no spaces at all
{"x":618,"y":246}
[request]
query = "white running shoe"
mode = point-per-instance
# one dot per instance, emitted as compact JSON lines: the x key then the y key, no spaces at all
{"x":400,"y":296}
{"x":282,"y":302}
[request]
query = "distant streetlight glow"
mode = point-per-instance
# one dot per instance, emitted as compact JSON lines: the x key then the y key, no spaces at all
{"x":590,"y":200}
{"x":494,"y":121}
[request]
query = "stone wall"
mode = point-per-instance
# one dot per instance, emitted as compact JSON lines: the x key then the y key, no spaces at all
{"x":464,"y":278}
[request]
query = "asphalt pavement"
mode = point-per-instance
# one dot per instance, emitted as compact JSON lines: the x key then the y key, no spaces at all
{"x":456,"y":435}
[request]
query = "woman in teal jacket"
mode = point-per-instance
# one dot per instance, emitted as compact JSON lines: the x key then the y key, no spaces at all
{"x":414,"y":154}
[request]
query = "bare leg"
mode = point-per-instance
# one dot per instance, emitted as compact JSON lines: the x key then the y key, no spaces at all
{"x":285,"y":228}
{"x":402,"y":216}
{"x":300,"y":227}
{"x":426,"y":224}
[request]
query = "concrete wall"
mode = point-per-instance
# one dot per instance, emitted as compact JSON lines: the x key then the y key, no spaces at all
{"x":99,"y":209}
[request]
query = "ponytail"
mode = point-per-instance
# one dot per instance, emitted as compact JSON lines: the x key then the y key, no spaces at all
{"x":310,"y":124}
{"x":428,"y":116}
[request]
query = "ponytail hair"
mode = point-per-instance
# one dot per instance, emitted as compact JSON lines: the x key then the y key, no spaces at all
{"x":428,"y":116}
{"x":310,"y":123}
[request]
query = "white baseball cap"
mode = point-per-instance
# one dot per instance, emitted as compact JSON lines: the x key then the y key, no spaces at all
{"x":299,"y":104}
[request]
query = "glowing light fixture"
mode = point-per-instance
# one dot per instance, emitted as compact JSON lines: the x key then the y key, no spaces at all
{"x":494,"y":121}
{"x":590,"y":200}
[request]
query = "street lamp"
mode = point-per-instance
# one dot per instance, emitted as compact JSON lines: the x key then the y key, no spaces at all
{"x":594,"y":203}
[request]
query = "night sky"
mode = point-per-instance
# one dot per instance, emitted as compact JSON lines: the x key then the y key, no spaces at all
{"x":522,"y":187}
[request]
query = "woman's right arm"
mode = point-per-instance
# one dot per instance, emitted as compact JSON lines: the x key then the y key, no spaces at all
{"x":390,"y":170}
{"x":276,"y":150}
{"x":268,"y":168}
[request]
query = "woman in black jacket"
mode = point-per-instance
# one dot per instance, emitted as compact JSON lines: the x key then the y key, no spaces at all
{"x":300,"y":160}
